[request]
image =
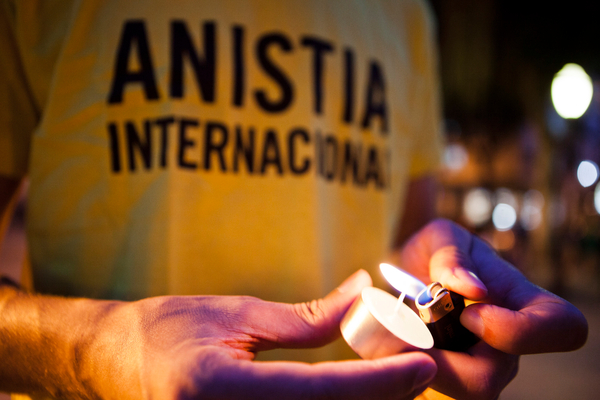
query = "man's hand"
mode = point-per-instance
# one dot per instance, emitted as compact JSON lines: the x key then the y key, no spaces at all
{"x":515,"y":317}
{"x":202,"y":347}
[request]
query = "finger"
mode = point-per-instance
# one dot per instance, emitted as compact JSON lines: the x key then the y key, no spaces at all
{"x":310,"y":324}
{"x":437,"y":234}
{"x":398,"y":377}
{"x":522,"y":318}
{"x":507,"y":286}
{"x":441,"y":252}
{"x":548,"y":326}
{"x":453,"y":268}
{"x":481,"y":373}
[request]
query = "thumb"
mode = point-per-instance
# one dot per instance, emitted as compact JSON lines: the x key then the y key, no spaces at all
{"x":314,"y":323}
{"x":336,"y":303}
{"x":452,"y":267}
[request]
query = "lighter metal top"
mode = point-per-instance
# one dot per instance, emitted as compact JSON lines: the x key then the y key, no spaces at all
{"x":434,"y":302}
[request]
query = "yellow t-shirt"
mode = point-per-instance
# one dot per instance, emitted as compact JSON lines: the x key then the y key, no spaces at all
{"x":220,"y":147}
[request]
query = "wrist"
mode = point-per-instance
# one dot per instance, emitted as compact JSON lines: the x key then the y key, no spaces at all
{"x":53,"y":346}
{"x":107,"y":351}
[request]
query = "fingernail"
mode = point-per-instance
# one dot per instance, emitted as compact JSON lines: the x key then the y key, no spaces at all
{"x":470,"y":277}
{"x":425,"y":375}
{"x":471,"y":320}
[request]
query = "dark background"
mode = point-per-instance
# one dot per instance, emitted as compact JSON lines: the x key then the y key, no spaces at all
{"x":497,"y":61}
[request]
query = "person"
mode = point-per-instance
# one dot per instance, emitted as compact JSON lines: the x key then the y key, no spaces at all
{"x":186,"y":160}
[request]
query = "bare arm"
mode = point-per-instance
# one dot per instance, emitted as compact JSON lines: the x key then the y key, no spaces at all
{"x":185,"y":347}
{"x":38,"y":339}
{"x":189,"y":347}
{"x":21,"y":319}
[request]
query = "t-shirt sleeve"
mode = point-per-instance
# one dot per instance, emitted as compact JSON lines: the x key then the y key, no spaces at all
{"x":18,"y":114}
{"x":427,"y":139}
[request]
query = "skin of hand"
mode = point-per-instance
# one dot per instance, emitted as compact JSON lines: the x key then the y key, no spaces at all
{"x":514,"y":317}
{"x":192,"y":347}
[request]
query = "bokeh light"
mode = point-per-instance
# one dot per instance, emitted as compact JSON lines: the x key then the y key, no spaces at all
{"x":477,"y":207}
{"x":531,"y":211}
{"x":571,"y":91}
{"x":504,"y":217}
{"x":504,"y":195}
{"x":587,"y":173}
{"x":455,"y":157}
{"x":597,"y":198}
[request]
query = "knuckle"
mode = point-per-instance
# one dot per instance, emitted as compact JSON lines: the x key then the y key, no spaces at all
{"x":312,"y":312}
{"x":452,"y":254}
{"x":511,"y":342}
{"x":439,"y":224}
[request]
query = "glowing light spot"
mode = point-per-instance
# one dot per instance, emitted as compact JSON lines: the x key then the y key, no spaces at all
{"x":597,"y":198}
{"x":504,"y":195}
{"x":504,"y":217}
{"x":587,"y":173}
{"x":477,"y":206}
{"x":455,"y":157}
{"x":571,"y":91}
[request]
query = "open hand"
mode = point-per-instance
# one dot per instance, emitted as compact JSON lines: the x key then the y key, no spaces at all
{"x":203,"y":347}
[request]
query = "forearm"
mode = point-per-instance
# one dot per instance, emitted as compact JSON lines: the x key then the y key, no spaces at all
{"x":46,"y":344}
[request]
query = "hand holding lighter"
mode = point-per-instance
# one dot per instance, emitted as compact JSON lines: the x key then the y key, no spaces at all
{"x":378,"y":324}
{"x":440,"y":310}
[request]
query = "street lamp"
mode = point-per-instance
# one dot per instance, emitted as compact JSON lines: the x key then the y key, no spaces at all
{"x":571,"y":91}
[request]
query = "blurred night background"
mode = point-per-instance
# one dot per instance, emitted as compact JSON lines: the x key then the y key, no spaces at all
{"x":510,"y":164}
{"x":510,"y":170}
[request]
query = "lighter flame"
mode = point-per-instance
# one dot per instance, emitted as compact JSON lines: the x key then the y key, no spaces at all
{"x":401,"y":280}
